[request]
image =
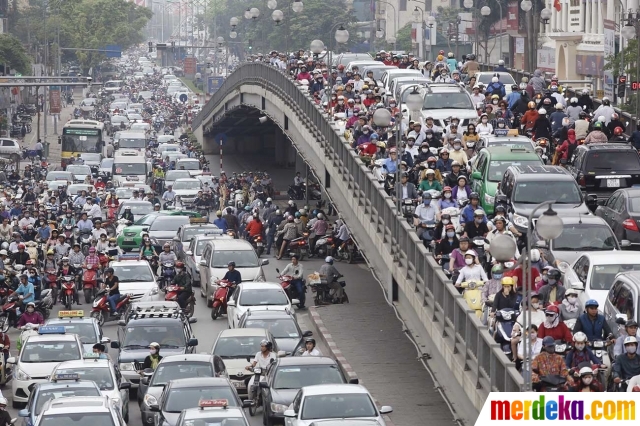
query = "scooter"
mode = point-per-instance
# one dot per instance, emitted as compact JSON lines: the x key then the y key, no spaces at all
{"x":324,"y":295}
{"x":286,"y":282}
{"x":89,"y":283}
{"x":257,"y":395}
{"x":67,"y":289}
{"x":298,"y":247}
{"x":172,"y":292}
{"x":167,"y":274}
{"x":122,"y":223}
{"x":101,"y":311}
{"x":473,"y":295}
{"x":27,"y":330}
{"x":258,"y":244}
{"x":505,"y":320}
{"x":9,"y":314}
{"x":6,"y":374}
{"x":551,"y":383}
{"x":84,"y":237}
{"x":220,"y":298}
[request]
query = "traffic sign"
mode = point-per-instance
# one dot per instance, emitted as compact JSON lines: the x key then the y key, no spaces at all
{"x":214,"y":84}
{"x":113,"y":51}
{"x":184,"y":98}
{"x":220,"y":138}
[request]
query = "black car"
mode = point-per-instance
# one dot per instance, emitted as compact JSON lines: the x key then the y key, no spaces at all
{"x":181,"y":394}
{"x":175,"y":367}
{"x":286,"y":376}
{"x":622,"y":212}
{"x":603,"y":168}
{"x":170,"y":328}
{"x":282,"y":325}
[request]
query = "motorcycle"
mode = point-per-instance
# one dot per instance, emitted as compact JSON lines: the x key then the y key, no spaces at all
{"x":472,"y":294}
{"x":67,"y":289}
{"x":6,"y":374}
{"x":27,"y":330}
{"x":167,"y":273}
{"x":68,"y":234}
{"x":298,"y":247}
{"x":257,"y":395}
{"x":89,"y":283}
{"x":84,"y":237}
{"x":324,"y":246}
{"x":9,"y":314}
{"x":122,"y":223}
{"x":153,"y":263}
{"x":258,"y":244}
{"x":408,"y":209}
{"x":323,"y":294}
{"x":505,"y":320}
{"x":286,"y":282}
{"x":349,"y":252}
{"x":100,"y":310}
{"x":220,"y":298}
{"x":552,"y":383}
{"x":172,"y":292}
{"x":238,"y":198}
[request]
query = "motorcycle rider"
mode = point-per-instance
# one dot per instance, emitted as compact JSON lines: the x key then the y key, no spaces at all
{"x":468,"y":214}
{"x":593,"y":324}
{"x":596,"y":135}
{"x":67,"y":269}
{"x":553,"y":291}
{"x":112,"y":282}
{"x":478,"y":226}
{"x":472,"y":271}
{"x":128,"y":214}
{"x":553,"y":327}
{"x":263,"y":359}
{"x":606,"y":110}
{"x":570,"y":307}
{"x":627,"y":365}
{"x":25,"y":291}
{"x":426,"y":214}
{"x":331,"y":275}
{"x":183,"y":281}
{"x":254,"y":228}
{"x":5,"y":417}
{"x":21,"y":256}
{"x":549,"y":363}
{"x":310,"y":348}
{"x":631,"y":328}
{"x":233,"y":276}
{"x":580,"y":353}
{"x":153,"y":359}
{"x":30,"y":316}
{"x":296,"y":270}
{"x":587,"y":382}
{"x":167,"y":255}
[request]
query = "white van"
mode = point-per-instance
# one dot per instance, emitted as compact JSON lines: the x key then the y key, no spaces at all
{"x":131,"y":140}
{"x":129,"y":168}
{"x":113,"y":85}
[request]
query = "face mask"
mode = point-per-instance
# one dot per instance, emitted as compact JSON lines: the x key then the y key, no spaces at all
{"x":426,"y":202}
{"x":445,"y":221}
{"x":30,"y":310}
{"x":468,"y":261}
{"x":587,"y":380}
{"x":152,"y":351}
{"x":178,"y":270}
{"x":497,"y":277}
{"x":545,"y":278}
{"x":580,"y":346}
{"x":340,"y":102}
{"x":630,"y":349}
{"x":495,"y":102}
{"x":533,"y":335}
{"x":508,"y":264}
{"x":451,"y":234}
{"x":447,"y":195}
{"x":501,"y":125}
{"x":552,"y":281}
{"x":366,"y":132}
{"x":429,"y":136}
{"x":550,"y":349}
{"x":457,"y":147}
{"x":572,"y":300}
{"x":392,"y":105}
{"x":484,"y":120}
{"x":425,"y":150}
{"x":478,"y":221}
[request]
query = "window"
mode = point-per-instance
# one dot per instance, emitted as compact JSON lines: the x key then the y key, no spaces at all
{"x":100,"y":376}
{"x":169,"y":336}
{"x":280,"y":328}
{"x":7,"y":142}
{"x":94,"y":419}
{"x":613,"y":292}
{"x":497,"y":168}
{"x":130,"y":169}
{"x":602,"y":276}
{"x":206,"y":256}
{"x":133,"y":274}
{"x":263,"y":297}
{"x":183,"y":398}
{"x":341,"y":406}
{"x":243,"y":258}
{"x":187,"y":184}
{"x":447,"y":100}
{"x":613,"y":160}
{"x":50,"y":352}
{"x":618,"y":206}
{"x":624,"y":301}
{"x":612,"y":201}
{"x":403,"y":5}
{"x":238,"y":347}
{"x":301,"y":376}
{"x":182,"y":370}
{"x":581,"y":269}
{"x":585,"y":237}
{"x":168,"y":224}
{"x":565,"y":191}
{"x":47,"y":395}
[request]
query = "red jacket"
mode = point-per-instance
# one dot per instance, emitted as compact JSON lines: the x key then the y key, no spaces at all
{"x":255,"y":228}
{"x":517,"y":273}
{"x":560,"y":332}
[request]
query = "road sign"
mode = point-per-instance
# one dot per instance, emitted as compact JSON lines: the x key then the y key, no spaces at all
{"x":55,"y":100}
{"x":220,"y":138}
{"x":113,"y":51}
{"x":190,"y":66}
{"x":184,"y":98}
{"x":214,"y":84}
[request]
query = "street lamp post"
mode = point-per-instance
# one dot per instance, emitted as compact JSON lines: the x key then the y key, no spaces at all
{"x":396,"y":23}
{"x":545,"y":16}
{"x":278,"y":16}
{"x":418,"y":16}
{"x":468,"y":4}
{"x":630,"y":31}
{"x":486,"y":11}
{"x":548,"y":227}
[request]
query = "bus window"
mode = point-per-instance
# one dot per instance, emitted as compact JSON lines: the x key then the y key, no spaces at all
{"x":81,"y":140}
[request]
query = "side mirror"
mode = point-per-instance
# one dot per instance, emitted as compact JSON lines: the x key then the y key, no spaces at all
{"x":281,"y":354}
{"x":203,"y":263}
{"x":23,"y":413}
{"x":307,"y":333}
{"x":264,"y":385}
{"x":592,"y":200}
{"x":247,"y":403}
{"x":127,"y":385}
{"x":476,"y":175}
{"x":386,"y":409}
{"x":115,"y":345}
{"x":193,"y":320}
{"x":145,"y":229}
{"x":155,"y":408}
{"x":289,"y":413}
{"x":295,"y":301}
{"x":541,"y":244}
{"x":105,"y":340}
{"x":277,"y":270}
{"x":12,"y":360}
{"x":354,"y":381}
{"x":577,"y":285}
{"x":192,"y":342}
{"x":122,"y":323}
{"x":231,"y":303}
{"x":625,"y":243}
{"x":188,"y":253}
{"x":145,"y":381}
{"x":264,"y":262}
{"x":176,"y":239}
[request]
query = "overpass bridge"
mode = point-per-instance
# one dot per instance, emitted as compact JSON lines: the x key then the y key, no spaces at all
{"x":297,"y":131}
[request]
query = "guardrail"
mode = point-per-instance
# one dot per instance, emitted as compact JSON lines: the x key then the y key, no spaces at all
{"x":460,"y":336}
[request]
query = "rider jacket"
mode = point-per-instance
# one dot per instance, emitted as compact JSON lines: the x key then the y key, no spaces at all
{"x":593,"y":328}
{"x":183,"y":280}
{"x":575,"y":357}
{"x":626,"y":366}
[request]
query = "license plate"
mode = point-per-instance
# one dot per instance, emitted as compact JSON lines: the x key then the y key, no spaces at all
{"x":259,"y":244}
{"x":613,"y":183}
{"x":238,"y":385}
{"x":128,"y":240}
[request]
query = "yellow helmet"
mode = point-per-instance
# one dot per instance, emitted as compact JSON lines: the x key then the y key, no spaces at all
{"x":112,"y":240}
{"x":440,"y":58}
{"x":508,"y":281}
{"x":50,"y":251}
{"x":365,"y":87}
{"x":381,"y":144}
{"x":495,"y":97}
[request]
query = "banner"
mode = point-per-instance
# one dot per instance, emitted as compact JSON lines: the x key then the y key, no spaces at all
{"x":609,"y":51}
{"x":55,"y":100}
{"x":190,"y":66}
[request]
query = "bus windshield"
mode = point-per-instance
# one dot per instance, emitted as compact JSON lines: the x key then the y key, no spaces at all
{"x":81,"y":140}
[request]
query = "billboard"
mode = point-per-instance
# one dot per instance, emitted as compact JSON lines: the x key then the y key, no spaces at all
{"x":55,"y":100}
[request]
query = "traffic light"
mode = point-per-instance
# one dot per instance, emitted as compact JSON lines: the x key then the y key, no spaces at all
{"x":150,"y":47}
{"x":173,"y":44}
{"x":250,"y":45}
{"x":161,"y":46}
{"x":622,"y":84}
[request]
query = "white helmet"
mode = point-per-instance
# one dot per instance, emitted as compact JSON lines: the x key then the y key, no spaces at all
{"x":3,"y":401}
{"x":471,"y":253}
{"x":500,"y":62}
{"x":269,"y":199}
{"x":601,"y":118}
{"x":584,"y":371}
{"x":328,"y":259}
{"x":542,"y":111}
{"x":580,"y":337}
{"x":495,"y":80}
{"x":630,"y":340}
{"x":535,"y":255}
{"x":574,"y":100}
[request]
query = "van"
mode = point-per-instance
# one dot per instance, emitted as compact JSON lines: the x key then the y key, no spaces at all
{"x":622,"y":299}
{"x":130,"y":168}
{"x":113,"y":86}
{"x":131,"y":140}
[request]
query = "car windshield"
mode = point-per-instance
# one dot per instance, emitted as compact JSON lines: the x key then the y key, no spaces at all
{"x":585,"y":237}
{"x":189,"y":165}
{"x":497,"y":168}
{"x":238,"y":347}
{"x":186,"y":184}
{"x":79,"y":419}
{"x":90,"y":157}
{"x":107,"y":163}
{"x":281,"y":328}
{"x":447,"y":100}
{"x":140,"y":336}
{"x":243,"y":258}
{"x":341,"y":406}
{"x":613,"y":160}
{"x":85,"y":330}
{"x":34,"y":352}
{"x":76,"y":189}
{"x":504,"y":78}
{"x":176,"y":174}
{"x":602,"y":275}
{"x":146,"y":220}
{"x":48,"y":395}
{"x":199,"y":230}
{"x":511,"y":144}
{"x":564,"y":191}
{"x":57,"y":176}
{"x":377,"y":72}
{"x":100,"y":376}
{"x":79,"y":170}
{"x":308,"y":375}
{"x":165,"y":224}
{"x":130,"y":169}
{"x":263,"y":297}
{"x":180,"y":370}
{"x":133,"y":273}
{"x":130,"y":142}
{"x":139,"y":208}
{"x":183,"y":398}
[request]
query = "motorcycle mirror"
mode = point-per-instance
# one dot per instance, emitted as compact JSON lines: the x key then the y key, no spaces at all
{"x":277,"y":270}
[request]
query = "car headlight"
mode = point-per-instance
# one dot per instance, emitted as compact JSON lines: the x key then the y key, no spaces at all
{"x":150,"y":400}
{"x":126,"y":366}
{"x":21,"y":375}
{"x":116,"y":401}
{"x":489,"y":199}
{"x":278,"y":408}
{"x":563,"y":266}
{"x":154,"y":290}
{"x":520,"y":221}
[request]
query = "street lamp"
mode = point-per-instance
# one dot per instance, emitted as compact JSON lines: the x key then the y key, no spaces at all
{"x":414,"y":100}
{"x":548,"y":227}
{"x":220,"y":41}
{"x":272,"y":4}
{"x":233,"y":22}
{"x":316,"y":47}
{"x":526,"y":5}
{"x":342,"y":35}
{"x":247,"y":14}
{"x":233,"y":34}
{"x":277,"y":16}
{"x":297,"y":6}
{"x":382,"y":117}
{"x":418,"y":16}
{"x":379,"y":33}
{"x":255,"y":12}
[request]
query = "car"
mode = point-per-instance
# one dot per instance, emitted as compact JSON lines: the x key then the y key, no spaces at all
{"x":116,"y":120}
{"x":192,"y":165}
{"x":622,"y":212}
{"x":182,"y":394}
{"x":38,"y":357}
{"x":510,"y":141}
{"x":347,"y":57}
{"x":172,"y":175}
{"x":76,"y":188}
{"x":193,"y":253}
{"x":175,"y":156}
{"x":237,"y":348}
{"x":136,"y":277}
{"x":106,"y":168}
{"x":444,"y":100}
{"x":281,"y":323}
{"x":164,"y":139}
{"x":603,"y":168}
{"x":390,"y":75}
{"x":87,"y":329}
{"x":59,"y":387}
{"x":126,"y":192}
{"x":623,"y":299}
{"x":92,"y":160}
{"x":523,"y":188}
{"x":167,"y":147}
{"x":80,"y":172}
{"x":505,"y":78}
{"x":489,"y":167}
{"x":169,"y":327}
{"x":134,"y":115}
{"x":250,"y":294}
{"x":582,"y":234}
{"x":10,"y":147}
{"x":138,"y":76}
{"x":196,"y":226}
{"x":175,"y":367}
{"x":215,"y":260}
{"x":360,"y":64}
{"x":213,"y":412}
{"x":187,"y":190}
{"x":104,"y":374}
{"x":81,"y":410}
{"x":58,"y":175}
{"x":138,"y":126}
{"x":378,"y":69}
{"x":139,"y":208}
{"x":204,"y":179}
{"x":399,"y":85}
{"x":164,"y":228}
{"x":593,"y":273}
{"x":285,"y":377}
{"x":131,"y":236}
{"x":334,"y":401}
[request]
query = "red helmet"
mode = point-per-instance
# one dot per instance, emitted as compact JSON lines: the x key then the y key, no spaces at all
{"x":617,"y":131}
{"x":179,"y":264}
{"x":552,"y":309}
{"x":446,"y":188}
{"x":441,"y":52}
{"x":29,"y":262}
{"x":21,"y":246}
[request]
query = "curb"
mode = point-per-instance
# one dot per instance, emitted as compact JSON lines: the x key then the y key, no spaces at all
{"x":336,"y":353}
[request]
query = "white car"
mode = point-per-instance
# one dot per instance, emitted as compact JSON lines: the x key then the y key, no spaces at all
{"x":190,"y":164}
{"x":80,"y":172}
{"x":320,"y":403}
{"x":135,"y":277}
{"x":193,"y":254}
{"x":102,"y":372}
{"x":250,"y":294}
{"x":38,"y":357}
{"x":10,"y":146}
{"x":187,"y":190}
{"x":445,"y":100}
{"x":80,"y":410}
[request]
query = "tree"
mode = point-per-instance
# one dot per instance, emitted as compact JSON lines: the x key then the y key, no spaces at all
{"x":626,"y":63}
{"x":13,"y":54}
{"x":403,"y":39}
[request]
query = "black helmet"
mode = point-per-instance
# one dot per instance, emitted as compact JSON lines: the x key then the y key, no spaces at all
{"x":108,"y":271}
{"x":232,"y":263}
{"x":554,"y":273}
{"x":310,"y":340}
{"x":474,"y":195}
{"x":582,"y":115}
{"x":500,"y":208}
{"x":445,"y":216}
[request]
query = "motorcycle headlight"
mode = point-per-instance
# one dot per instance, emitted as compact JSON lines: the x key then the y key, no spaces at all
{"x":520,"y":221}
{"x":489,"y":199}
{"x":21,"y":375}
{"x":126,"y":366}
{"x":150,"y":400}
{"x":278,"y":408}
{"x":96,"y":302}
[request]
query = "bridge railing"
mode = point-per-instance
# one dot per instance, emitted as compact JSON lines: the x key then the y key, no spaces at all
{"x":485,"y":366}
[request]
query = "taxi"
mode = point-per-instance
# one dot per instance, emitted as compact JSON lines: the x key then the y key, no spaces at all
{"x":87,"y":328}
{"x":213,"y":411}
{"x":61,"y":386}
{"x":81,"y":410}
{"x":104,"y":374}
{"x":196,"y":226}
{"x":131,"y":237}
{"x":38,"y":357}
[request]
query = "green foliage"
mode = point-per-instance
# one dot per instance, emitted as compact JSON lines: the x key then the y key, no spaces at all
{"x":13,"y":54}
{"x":403,"y":39}
{"x":626,"y":63}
